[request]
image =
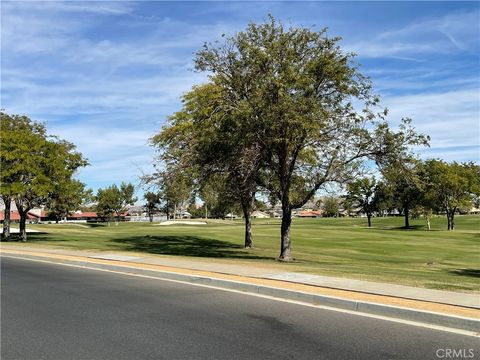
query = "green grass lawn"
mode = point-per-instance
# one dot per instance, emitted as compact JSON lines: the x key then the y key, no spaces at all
{"x":343,"y":247}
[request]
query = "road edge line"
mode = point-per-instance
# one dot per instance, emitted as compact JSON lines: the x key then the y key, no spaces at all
{"x":451,"y":323}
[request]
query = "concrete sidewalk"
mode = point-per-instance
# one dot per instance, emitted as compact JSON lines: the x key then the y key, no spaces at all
{"x":369,"y":287}
{"x":441,"y":308}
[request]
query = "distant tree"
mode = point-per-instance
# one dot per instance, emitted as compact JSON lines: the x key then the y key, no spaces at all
{"x":196,"y":211}
{"x":260,"y":205}
{"x":176,"y":189}
{"x":227,"y":203}
{"x":211,"y":190}
{"x":33,"y":165}
{"x":347,"y":206}
{"x":108,"y":202}
{"x":406,"y":185}
{"x":362,"y":192}
{"x":451,"y":186}
{"x":384,"y":198}
{"x":66,"y":197}
{"x":425,"y":211}
{"x":290,"y":92}
{"x":112,"y":201}
{"x":152,"y":205}
{"x":330,"y":206}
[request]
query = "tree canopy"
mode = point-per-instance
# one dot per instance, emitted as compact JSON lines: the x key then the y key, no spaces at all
{"x":34,"y":164}
{"x":204,"y":138}
{"x":290,"y":93}
{"x":113,"y":200}
{"x":152,"y":205}
{"x":451,"y":186}
{"x":363,"y":193}
{"x":66,"y":197}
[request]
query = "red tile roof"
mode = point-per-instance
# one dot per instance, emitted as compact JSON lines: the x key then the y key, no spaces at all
{"x":310,"y":213}
{"x":15,"y":216}
{"x":89,"y":214}
{"x":82,"y":215}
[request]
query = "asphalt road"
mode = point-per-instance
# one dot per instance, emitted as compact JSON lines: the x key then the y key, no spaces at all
{"x":51,"y":311}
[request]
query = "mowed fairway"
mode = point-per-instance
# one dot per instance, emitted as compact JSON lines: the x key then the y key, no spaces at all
{"x":343,"y":247}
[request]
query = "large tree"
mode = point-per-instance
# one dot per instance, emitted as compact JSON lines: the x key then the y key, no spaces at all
{"x":451,"y":186}
{"x":292,"y":91}
{"x":33,"y":164}
{"x":18,"y":134}
{"x":20,"y":137}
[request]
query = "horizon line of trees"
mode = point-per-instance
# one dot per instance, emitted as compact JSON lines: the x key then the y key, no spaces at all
{"x":439,"y":188}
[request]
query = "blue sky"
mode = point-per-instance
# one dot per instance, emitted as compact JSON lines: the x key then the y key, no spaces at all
{"x":105,"y":75}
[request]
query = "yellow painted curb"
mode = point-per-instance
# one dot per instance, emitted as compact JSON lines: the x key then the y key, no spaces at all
{"x":317,"y":290}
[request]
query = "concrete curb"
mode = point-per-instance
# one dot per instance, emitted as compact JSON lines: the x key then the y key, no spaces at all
{"x":362,"y":307}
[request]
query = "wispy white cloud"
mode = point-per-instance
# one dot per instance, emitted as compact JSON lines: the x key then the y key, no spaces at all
{"x":92,"y":6}
{"x":444,"y":77}
{"x":446,"y":34}
{"x":450,"y":118}
{"x":95,"y":94}
{"x":30,"y":27}
{"x":452,"y":153}
{"x":115,"y":153}
{"x":105,"y":75}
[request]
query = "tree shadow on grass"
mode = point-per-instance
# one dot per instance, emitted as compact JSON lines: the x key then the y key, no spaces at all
{"x":14,"y":237}
{"x":41,"y":237}
{"x":466,"y":272}
{"x":95,"y":225}
{"x":411,"y":227}
{"x":185,"y":245}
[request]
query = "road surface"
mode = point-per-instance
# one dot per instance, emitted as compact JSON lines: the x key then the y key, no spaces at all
{"x":51,"y":311}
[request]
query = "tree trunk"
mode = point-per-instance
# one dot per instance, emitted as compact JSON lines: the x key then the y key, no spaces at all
{"x":428,"y":222}
{"x":248,"y":231}
{"x":247,"y":208}
{"x":174,"y":211}
{"x":206,"y":211}
{"x":285,"y":245}
{"x":450,"y":219}
{"x":22,"y":235}
{"x":407,"y":222}
{"x":369,"y":218}
{"x":6,"y":218}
